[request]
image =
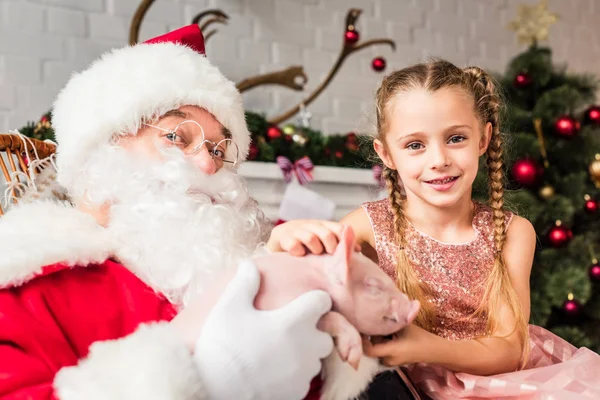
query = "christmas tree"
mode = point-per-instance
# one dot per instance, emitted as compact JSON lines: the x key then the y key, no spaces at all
{"x":553,"y":170}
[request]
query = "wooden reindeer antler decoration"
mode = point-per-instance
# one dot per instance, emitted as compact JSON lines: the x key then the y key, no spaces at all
{"x":348,"y":48}
{"x":140,"y":13}
{"x":136,"y":22}
{"x":220,"y":17}
{"x":286,"y":77}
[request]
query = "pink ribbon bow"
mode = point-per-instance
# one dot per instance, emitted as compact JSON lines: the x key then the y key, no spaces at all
{"x":302,"y":168}
{"x":377,"y":172}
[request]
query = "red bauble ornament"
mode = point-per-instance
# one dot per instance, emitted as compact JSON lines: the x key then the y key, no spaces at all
{"x":252,"y":151}
{"x":273,"y":132}
{"x":559,"y":235}
{"x":526,"y":172}
{"x":522,"y":80}
{"x":592,"y":115}
{"x":566,"y":126}
{"x":594,"y":272}
{"x":44,"y":119}
{"x":378,"y":64}
{"x":351,"y":37}
{"x":339,"y":154}
{"x":571,"y":307}
{"x":351,"y":142}
{"x":591,"y":206}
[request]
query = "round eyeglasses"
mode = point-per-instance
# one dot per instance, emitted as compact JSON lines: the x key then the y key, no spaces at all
{"x":189,"y":137}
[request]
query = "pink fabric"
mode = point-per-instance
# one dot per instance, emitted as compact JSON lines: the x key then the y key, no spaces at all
{"x":556,"y":370}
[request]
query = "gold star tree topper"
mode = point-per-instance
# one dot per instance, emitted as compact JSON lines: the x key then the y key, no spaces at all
{"x":533,"y":22}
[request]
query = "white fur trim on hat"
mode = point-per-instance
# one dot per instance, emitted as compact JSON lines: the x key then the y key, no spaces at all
{"x":135,"y":83}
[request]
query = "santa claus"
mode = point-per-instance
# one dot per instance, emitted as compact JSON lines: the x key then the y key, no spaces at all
{"x":97,"y":297}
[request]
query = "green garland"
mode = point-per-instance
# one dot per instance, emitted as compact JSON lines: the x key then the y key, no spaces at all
{"x":295,"y":142}
{"x":42,"y":129}
{"x":347,"y":150}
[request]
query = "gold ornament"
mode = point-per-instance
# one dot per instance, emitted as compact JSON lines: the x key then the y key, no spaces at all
{"x":299,"y":138}
{"x":289,"y":129}
{"x":533,"y":22}
{"x":43,"y":124}
{"x":595,"y":171}
{"x":547,"y":192}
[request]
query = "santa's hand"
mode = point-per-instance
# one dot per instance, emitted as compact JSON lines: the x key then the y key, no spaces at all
{"x":245,"y":353}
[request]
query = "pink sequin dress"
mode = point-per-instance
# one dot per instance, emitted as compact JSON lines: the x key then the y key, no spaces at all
{"x":455,"y":272}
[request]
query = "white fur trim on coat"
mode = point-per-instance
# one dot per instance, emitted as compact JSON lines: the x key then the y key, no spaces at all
{"x":43,"y":233}
{"x":342,"y":382}
{"x":151,"y":363}
{"x":135,"y":83}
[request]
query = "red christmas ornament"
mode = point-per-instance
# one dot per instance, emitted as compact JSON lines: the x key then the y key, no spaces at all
{"x":526,"y":172}
{"x":559,"y":235}
{"x":253,"y":151}
{"x":522,"y":80}
{"x":44,"y":119}
{"x":567,"y":126}
{"x":571,"y":306}
{"x":351,"y":142}
{"x":273,"y":132}
{"x":591,"y":206}
{"x":594,"y":272}
{"x":339,"y":154}
{"x":592,"y":115}
{"x":351,"y":37}
{"x":378,"y":64}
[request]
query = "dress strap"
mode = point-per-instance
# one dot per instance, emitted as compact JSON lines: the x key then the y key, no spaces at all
{"x":382,"y":223}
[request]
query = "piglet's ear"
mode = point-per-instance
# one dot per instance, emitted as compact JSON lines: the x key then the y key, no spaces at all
{"x":338,"y":266}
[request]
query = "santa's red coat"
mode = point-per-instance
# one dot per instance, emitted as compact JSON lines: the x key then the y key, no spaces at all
{"x":51,"y":321}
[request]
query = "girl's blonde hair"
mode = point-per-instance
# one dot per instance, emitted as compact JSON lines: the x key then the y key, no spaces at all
{"x":480,"y":86}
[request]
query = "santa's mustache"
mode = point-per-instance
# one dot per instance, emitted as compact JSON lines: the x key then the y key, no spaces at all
{"x":115,"y":175}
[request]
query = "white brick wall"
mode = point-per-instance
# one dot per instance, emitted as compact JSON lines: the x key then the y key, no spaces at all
{"x":43,"y":41}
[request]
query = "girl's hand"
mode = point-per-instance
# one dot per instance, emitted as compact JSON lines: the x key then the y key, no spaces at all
{"x":407,"y":347}
{"x":298,"y":236}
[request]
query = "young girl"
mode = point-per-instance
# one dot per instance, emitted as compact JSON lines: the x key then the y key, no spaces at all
{"x":468,"y":263}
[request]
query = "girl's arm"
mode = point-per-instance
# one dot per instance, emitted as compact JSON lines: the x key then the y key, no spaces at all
{"x":317,"y":236}
{"x":498,"y":353}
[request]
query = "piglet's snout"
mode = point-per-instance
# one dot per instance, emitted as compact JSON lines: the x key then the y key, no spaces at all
{"x":403,"y":310}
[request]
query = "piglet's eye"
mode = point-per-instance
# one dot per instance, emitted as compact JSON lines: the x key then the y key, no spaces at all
{"x":374,"y":285}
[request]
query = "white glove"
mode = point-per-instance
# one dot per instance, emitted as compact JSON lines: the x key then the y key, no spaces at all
{"x":244,"y":353}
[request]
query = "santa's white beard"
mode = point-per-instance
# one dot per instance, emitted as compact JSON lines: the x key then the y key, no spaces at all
{"x":178,"y":227}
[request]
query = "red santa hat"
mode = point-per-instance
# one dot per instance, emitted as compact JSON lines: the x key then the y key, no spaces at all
{"x":137,"y":83}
